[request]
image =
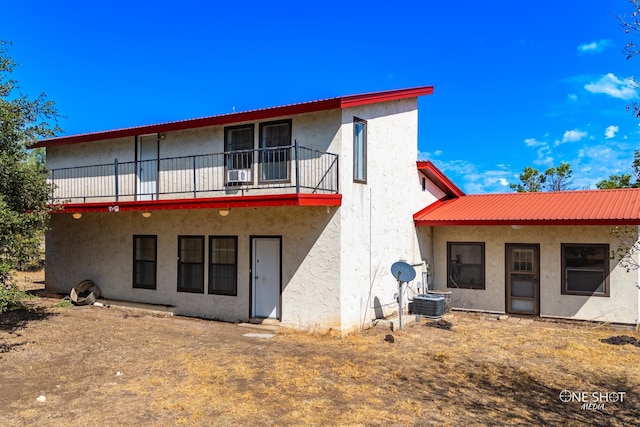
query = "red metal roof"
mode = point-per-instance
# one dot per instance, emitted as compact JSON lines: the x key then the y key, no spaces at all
{"x":259,"y":114}
{"x":585,"y":207}
{"x":300,"y":199}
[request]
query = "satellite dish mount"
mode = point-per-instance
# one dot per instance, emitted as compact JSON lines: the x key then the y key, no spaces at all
{"x":403,"y":273}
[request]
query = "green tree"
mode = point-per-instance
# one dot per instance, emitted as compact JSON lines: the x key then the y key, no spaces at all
{"x":623,"y":180}
{"x":553,"y":179}
{"x":23,"y":187}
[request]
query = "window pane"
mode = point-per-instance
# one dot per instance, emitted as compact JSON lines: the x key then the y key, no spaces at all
{"x":359,"y":150}
{"x":275,"y":162}
{"x":466,"y":265}
{"x":586,"y":268}
{"x":191,"y":264}
{"x":239,"y":139}
{"x":275,"y":135}
{"x":223,"y":265}
{"x":144,"y":262}
{"x":585,"y":280}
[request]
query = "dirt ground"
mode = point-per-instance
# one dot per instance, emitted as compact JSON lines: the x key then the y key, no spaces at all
{"x":86,"y":366}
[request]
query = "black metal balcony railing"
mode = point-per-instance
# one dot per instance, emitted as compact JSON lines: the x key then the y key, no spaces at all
{"x":280,"y":169}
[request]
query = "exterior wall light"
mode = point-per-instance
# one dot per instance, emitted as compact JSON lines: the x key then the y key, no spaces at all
{"x":77,"y":215}
{"x":146,"y":214}
{"x":223,"y":212}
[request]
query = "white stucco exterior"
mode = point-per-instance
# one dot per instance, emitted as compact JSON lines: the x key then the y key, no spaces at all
{"x":335,"y":260}
{"x":621,"y":306}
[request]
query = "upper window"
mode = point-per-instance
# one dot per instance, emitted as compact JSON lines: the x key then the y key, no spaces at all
{"x":275,"y":150}
{"x":465,"y":266}
{"x":359,"y":150}
{"x":238,"y":159}
{"x":585,"y":269}
{"x":191,"y":264}
{"x":223,"y":265}
{"x":145,"y":260}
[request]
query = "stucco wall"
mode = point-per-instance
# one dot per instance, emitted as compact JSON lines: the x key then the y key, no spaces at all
{"x":620,"y":307}
{"x":377,"y":222}
{"x":99,"y":247}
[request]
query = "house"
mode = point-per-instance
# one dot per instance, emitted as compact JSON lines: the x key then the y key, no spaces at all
{"x":545,"y":254}
{"x":293,"y":213}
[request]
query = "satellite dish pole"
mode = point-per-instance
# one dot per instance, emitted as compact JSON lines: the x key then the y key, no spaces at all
{"x":403,"y":273}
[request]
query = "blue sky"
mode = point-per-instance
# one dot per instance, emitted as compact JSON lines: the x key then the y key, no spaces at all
{"x":538,"y":84}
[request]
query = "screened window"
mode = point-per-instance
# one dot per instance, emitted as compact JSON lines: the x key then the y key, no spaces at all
{"x":238,"y":144}
{"x":191,"y":264}
{"x":275,"y":145}
{"x":359,"y":150}
{"x":145,"y":260}
{"x":585,"y":269}
{"x":465,"y":266}
{"x":223,"y":265}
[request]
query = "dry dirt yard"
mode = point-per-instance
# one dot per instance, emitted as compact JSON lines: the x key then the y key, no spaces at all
{"x":87,"y":366}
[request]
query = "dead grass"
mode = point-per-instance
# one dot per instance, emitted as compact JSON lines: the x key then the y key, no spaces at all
{"x":177,"y":371}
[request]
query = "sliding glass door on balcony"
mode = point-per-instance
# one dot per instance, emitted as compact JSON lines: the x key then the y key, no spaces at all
{"x":147,"y":168}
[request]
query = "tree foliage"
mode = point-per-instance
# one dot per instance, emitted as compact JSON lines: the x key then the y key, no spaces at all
{"x":552,"y":179}
{"x":23,"y":187}
{"x":623,"y":180}
{"x":631,"y":25}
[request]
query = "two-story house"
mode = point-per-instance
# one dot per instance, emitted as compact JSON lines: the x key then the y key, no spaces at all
{"x":293,"y":212}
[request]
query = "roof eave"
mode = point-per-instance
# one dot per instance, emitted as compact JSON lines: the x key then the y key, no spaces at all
{"x":531,"y":222}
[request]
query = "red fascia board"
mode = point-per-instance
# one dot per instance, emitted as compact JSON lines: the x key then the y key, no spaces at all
{"x":439,"y":178}
{"x":386,"y":96}
{"x":251,"y":115}
{"x":538,"y":222}
{"x":202,"y":203}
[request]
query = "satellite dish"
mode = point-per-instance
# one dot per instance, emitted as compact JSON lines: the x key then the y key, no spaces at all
{"x":403,"y":272}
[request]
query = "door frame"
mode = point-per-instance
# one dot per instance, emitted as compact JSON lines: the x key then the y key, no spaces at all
{"x":252,"y":239}
{"x":507,"y":278}
{"x":137,"y":171}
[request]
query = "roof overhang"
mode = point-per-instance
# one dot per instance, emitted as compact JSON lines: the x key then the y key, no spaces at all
{"x":245,"y":116}
{"x":439,"y":179}
{"x":202,"y":203}
{"x":539,"y":222}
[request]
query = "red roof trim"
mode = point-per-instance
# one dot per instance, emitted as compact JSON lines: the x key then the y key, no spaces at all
{"x":437,"y":223}
{"x":251,"y":115}
{"x":203,"y":203}
{"x":439,"y":178}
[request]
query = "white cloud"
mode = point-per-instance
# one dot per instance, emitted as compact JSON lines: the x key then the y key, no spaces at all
{"x":611,"y":85}
{"x":532,"y":142}
{"x":572,"y":136}
{"x":594,"y":46}
{"x":572,"y":97}
{"x":611,"y":131}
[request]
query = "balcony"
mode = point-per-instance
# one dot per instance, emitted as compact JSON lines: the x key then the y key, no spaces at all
{"x":279,"y":170}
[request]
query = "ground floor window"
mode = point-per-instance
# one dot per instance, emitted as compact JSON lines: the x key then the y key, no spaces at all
{"x":145,"y":261}
{"x":223,"y":265}
{"x":191,"y":264}
{"x":585,"y":269}
{"x":465,"y":266}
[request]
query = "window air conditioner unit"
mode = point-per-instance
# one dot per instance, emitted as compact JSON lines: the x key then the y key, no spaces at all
{"x":239,"y":175}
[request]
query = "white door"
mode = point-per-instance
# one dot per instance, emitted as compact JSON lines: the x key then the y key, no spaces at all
{"x":147,"y":167}
{"x":266,"y":277}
